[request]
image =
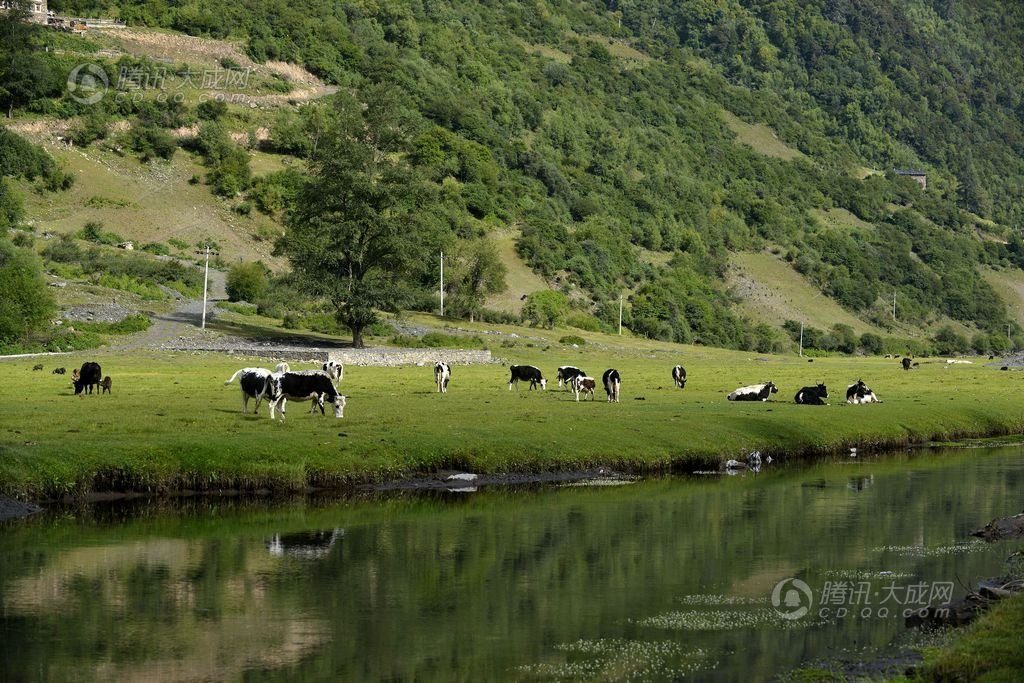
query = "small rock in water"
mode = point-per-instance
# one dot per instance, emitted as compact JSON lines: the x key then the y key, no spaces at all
{"x":462,"y":476}
{"x":734,"y":465}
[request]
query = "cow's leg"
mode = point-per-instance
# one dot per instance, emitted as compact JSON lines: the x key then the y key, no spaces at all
{"x":245,"y":402}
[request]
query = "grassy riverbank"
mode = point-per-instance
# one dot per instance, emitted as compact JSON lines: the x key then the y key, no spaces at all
{"x":989,"y":650}
{"x":171,"y":424}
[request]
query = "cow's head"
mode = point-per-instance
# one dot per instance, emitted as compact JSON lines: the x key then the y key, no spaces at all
{"x":339,"y":405}
{"x":822,"y":390}
{"x":543,"y":384}
{"x":772,"y":388}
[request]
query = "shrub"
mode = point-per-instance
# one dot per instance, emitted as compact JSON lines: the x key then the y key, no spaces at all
{"x":130,"y":325}
{"x":247,"y":281}
{"x":181,"y":245}
{"x":240,"y":308}
{"x":545,"y":309}
{"x":584,"y":321}
{"x":573,"y":339}
{"x":27,"y":304}
{"x":157,"y":248}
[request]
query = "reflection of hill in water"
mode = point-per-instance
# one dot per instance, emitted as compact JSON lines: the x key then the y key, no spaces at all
{"x":308,"y":545}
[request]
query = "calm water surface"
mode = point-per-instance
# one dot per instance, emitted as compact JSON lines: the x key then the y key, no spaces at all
{"x":657,"y":580}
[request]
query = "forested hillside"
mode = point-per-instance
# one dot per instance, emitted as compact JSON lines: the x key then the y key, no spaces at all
{"x":600,"y":132}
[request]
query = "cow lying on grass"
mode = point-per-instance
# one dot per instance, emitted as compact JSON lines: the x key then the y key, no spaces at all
{"x":858,"y":393}
{"x":754,"y":392}
{"x":812,"y":396}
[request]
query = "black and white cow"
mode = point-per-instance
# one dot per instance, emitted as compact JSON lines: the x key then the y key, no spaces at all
{"x":254,"y":385}
{"x":754,"y":392}
{"x":679,"y":376}
{"x":442,"y":374}
{"x":581,"y":384}
{"x":310,"y":385}
{"x":905,"y":363}
{"x":612,"y":382}
{"x":859,"y":393}
{"x":812,"y":396}
{"x":566,"y":373}
{"x":527,"y":373}
{"x":334,"y":370}
{"x":88,"y":377}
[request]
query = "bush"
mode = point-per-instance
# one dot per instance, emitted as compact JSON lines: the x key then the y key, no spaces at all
{"x":546,"y":309}
{"x":438,"y":340}
{"x":584,"y":321}
{"x":573,"y":339}
{"x":240,"y":308}
{"x":27,"y":304}
{"x":247,"y":282}
{"x":157,"y":248}
{"x":93,"y":232}
{"x":180,"y":245}
{"x":130,"y":325}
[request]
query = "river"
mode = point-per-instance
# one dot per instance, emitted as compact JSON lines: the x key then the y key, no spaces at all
{"x":706,"y":577}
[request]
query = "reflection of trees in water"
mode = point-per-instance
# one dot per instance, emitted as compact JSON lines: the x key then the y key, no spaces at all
{"x":481,"y":587}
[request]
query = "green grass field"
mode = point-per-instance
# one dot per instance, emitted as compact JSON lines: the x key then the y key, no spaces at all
{"x":171,"y":424}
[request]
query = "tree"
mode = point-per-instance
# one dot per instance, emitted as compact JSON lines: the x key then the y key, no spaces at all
{"x":27,"y":303}
{"x":547,"y":308}
{"x":360,"y":233}
{"x":247,"y":282}
{"x":477,"y":272}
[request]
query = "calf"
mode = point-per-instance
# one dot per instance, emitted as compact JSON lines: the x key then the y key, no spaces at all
{"x":527,"y":373}
{"x":812,"y":396}
{"x":754,"y":392}
{"x":88,"y":376}
{"x":859,"y":393}
{"x":679,"y":376}
{"x":612,"y":382}
{"x":37,"y":366}
{"x":581,"y":384}
{"x":105,"y":385}
{"x":303,"y":386}
{"x":566,"y":373}
{"x":906,"y":363}
{"x":334,"y":370}
{"x":254,"y":385}
{"x":59,"y":371}
{"x":442,"y":373}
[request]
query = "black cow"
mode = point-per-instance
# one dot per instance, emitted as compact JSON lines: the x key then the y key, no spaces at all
{"x":442,"y":375}
{"x":812,"y":396}
{"x":906,"y":363}
{"x":254,"y":385}
{"x":88,"y":377}
{"x":612,"y":382}
{"x":59,"y":371}
{"x":679,"y":376}
{"x":303,"y":386}
{"x":754,"y":392}
{"x":527,"y":373}
{"x":566,"y":374}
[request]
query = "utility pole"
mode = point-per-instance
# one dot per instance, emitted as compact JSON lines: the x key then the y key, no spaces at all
{"x":442,"y":283}
{"x":620,"y":315}
{"x":801,"y":340}
{"x":206,"y":280}
{"x":894,"y":305}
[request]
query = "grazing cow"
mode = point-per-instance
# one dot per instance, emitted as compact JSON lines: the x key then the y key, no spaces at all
{"x":679,"y":376}
{"x":334,"y":370}
{"x":58,"y":371}
{"x":37,"y":366}
{"x":442,"y":373}
{"x":566,"y":373}
{"x":859,"y":393}
{"x":88,"y":377}
{"x":581,"y":384}
{"x":612,"y":382}
{"x":105,"y":385}
{"x":254,"y":385}
{"x":754,"y":392}
{"x":812,"y":396}
{"x":527,"y":373}
{"x":906,"y":363}
{"x":303,"y":386}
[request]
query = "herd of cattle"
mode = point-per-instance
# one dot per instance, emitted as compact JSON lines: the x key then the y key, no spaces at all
{"x":320,"y":387}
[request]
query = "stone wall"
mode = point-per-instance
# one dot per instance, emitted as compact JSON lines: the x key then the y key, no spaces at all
{"x":393,"y":357}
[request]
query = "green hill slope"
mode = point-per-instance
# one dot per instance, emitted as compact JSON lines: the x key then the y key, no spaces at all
{"x":638,"y":147}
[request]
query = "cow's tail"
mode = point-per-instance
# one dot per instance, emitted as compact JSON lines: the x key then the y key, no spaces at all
{"x":234,"y":376}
